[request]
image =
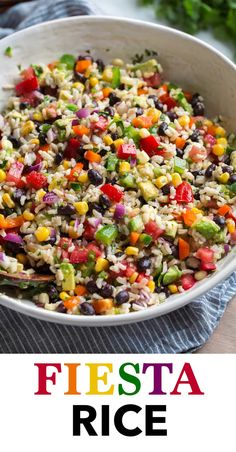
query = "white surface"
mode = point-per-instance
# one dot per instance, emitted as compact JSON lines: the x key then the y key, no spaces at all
{"x":131,"y":9}
{"x":186,"y":61}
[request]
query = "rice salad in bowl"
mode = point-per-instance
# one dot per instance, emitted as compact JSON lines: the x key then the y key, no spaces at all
{"x":114,"y":182}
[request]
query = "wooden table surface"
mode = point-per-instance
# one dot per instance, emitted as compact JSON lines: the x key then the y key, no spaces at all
{"x":223,"y":339}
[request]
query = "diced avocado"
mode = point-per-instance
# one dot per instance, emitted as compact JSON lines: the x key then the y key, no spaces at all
{"x":62,"y":123}
{"x":111,"y":162}
{"x":133,"y":133}
{"x":171,"y":275}
{"x":127,"y":180}
{"x":148,"y":190}
{"x":136,"y":224}
{"x":148,"y":66}
{"x":181,"y":99}
{"x":171,"y":228}
{"x":116,"y":77}
{"x":220,"y":237}
{"x":107,"y":234}
{"x":68,"y":271}
{"x":179,"y":165}
{"x":232,"y":187}
{"x":157,"y":272}
{"x":207,"y":228}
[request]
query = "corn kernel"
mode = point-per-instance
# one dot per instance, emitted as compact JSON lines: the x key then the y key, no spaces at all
{"x":151,"y":286}
{"x":64,"y":95}
{"x":93,"y":81}
{"x":173,"y":288}
{"x":116,"y":116}
{"x":66,"y":164}
{"x":19,"y":268}
{"x":83,"y":177}
{"x":22,"y":258}
{"x":220,"y":131}
{"x":133,"y":277}
{"x":118,"y":62}
{"x":207,"y":123}
{"x":184,"y":120}
{"x":108,"y":140}
{"x":27,"y":128}
{"x":81,"y":207}
{"x":2,"y":175}
{"x":40,"y":194}
{"x":8,"y":201}
{"x":154,"y":114}
{"x":124,"y":167}
{"x":101,"y":265}
{"x":64,"y":296}
{"x":176,"y":179}
{"x":118,"y":142}
{"x":34,"y":141}
{"x":131,"y":251}
{"x":218,"y":149}
{"x":107,"y":74}
{"x":161,"y":181}
{"x":72,"y":233}
{"x":230,"y":225}
{"x":197,"y":211}
{"x":78,"y":86}
{"x":222,"y":141}
{"x":21,"y":159}
{"x":28,"y":216}
{"x":42,"y":233}
{"x":38,"y":116}
{"x":223,"y":178}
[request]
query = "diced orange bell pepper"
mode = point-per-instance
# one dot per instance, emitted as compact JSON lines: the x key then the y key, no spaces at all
{"x":75,"y":171}
{"x":223,"y":210}
{"x":133,"y":238}
{"x":11,"y":223}
{"x":71,"y":303}
{"x":80,"y":290}
{"x":82,"y":65}
{"x":44,"y":147}
{"x":103,"y":305}
{"x":142,"y":122}
{"x":180,"y":142}
{"x":184,"y":249}
{"x":106,"y":91}
{"x":189,"y":217}
{"x":92,"y":157}
{"x":142,"y":91}
{"x":80,"y":130}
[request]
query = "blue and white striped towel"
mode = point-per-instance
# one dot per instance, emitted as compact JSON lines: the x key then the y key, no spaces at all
{"x":182,"y":331}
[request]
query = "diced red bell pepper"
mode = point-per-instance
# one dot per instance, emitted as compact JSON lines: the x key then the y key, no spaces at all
{"x":125,"y":151}
{"x":129,"y":271}
{"x":94,"y":248}
{"x":100,"y":125}
{"x":79,"y":256}
{"x":150,"y":145}
{"x":36,"y":180}
{"x":208,"y":266}
{"x":112,"y":192}
{"x":27,"y":85}
{"x":89,"y":231}
{"x":28,"y":73}
{"x":153,"y":230}
{"x":154,"y":81}
{"x":206,"y":255}
{"x":14,"y":174}
{"x":184,"y":193}
{"x":30,"y":99}
{"x":187,"y":281}
{"x":72,"y":148}
{"x":38,"y":159}
{"x":168,"y":101}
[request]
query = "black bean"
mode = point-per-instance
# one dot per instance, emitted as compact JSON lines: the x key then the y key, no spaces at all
{"x":13,"y":248}
{"x":210,"y":169}
{"x":42,"y":138}
{"x":232,"y":179}
{"x":174,"y":251}
{"x":58,"y":158}
{"x":195,"y":135}
{"x":61,"y":308}
{"x":7,"y":211}
{"x":226,"y":159}
{"x":66,"y":210}
{"x":80,"y":77}
{"x":95,"y":206}
{"x":52,"y":293}
{"x":227,"y":169}
{"x":158,"y":104}
{"x":87,"y":308}
{"x":162,"y":128}
{"x":103,"y":152}
{"x":197,"y":173}
{"x":106,"y":291}
{"x":51,"y":241}
{"x":114,"y":136}
{"x":84,"y":57}
{"x":92,"y":287}
{"x":179,"y":152}
{"x":166,"y":189}
{"x":143,"y":264}
{"x":23,"y":105}
{"x":95,"y":177}
{"x":139,"y":111}
{"x":219,"y":220}
{"x":172,"y":115}
{"x":113,"y":99}
{"x":110,"y":111}
{"x":16,"y":143}
{"x":100,"y":64}
{"x":122,"y":297}
{"x":119,"y":254}
{"x":17,"y":194}
{"x":122,"y":86}
{"x":197,"y":195}
{"x":193,"y":263}
{"x":104,"y":201}
{"x":199,"y":109}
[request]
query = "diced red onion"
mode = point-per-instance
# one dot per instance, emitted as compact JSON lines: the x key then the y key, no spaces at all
{"x":2,"y":257}
{"x":83,"y":113}
{"x":36,"y":167}
{"x":77,"y":223}
{"x":50,"y":135}
{"x":119,"y":211}
{"x":75,"y":122}
{"x":226,"y":248}
{"x":50,"y":198}
{"x":94,"y":221}
{"x":14,"y":238}
{"x":52,"y":232}
{"x":133,"y":162}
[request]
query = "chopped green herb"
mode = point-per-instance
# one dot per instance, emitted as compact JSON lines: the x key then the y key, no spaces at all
{"x":9,"y":52}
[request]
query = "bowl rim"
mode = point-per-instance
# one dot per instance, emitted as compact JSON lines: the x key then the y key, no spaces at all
{"x":175,"y":301}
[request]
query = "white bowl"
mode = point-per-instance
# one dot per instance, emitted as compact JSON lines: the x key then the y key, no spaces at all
{"x":186,"y":60}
